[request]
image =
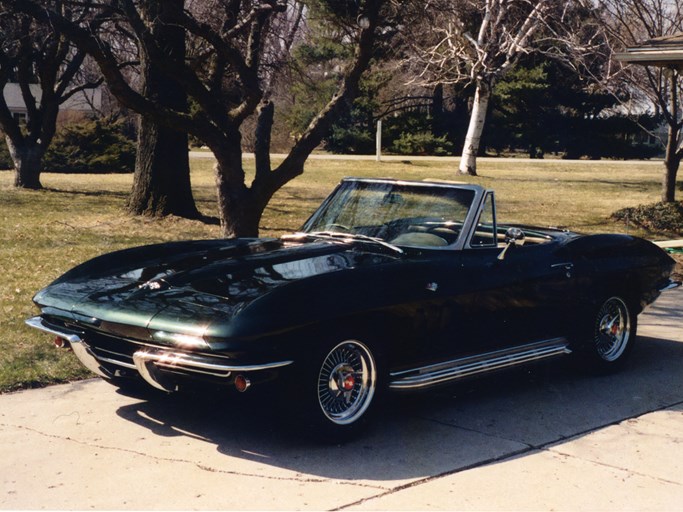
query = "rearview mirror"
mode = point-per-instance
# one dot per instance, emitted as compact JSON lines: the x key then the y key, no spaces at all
{"x":392,"y":198}
{"x":513,"y":236}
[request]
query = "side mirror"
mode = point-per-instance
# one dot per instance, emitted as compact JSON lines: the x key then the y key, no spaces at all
{"x":513,"y":236}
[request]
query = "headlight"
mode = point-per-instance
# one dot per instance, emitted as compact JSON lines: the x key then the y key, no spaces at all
{"x":180,"y":340}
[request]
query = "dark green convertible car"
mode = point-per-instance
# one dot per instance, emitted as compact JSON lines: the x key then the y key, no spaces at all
{"x":390,"y":285}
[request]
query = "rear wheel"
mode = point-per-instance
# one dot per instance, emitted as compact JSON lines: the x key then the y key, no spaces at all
{"x":613,"y":336}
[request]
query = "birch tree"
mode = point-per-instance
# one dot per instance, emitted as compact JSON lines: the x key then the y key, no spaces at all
{"x":475,"y":42}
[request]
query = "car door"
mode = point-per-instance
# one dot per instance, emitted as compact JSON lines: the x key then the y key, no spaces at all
{"x":523,"y":295}
{"x":526,"y":297}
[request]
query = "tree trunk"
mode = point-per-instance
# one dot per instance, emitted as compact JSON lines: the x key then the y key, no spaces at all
{"x":27,"y":159}
{"x":468,"y":161}
{"x":672,"y":161}
{"x":437,"y":110}
{"x":240,"y":212}
{"x":239,"y":207}
{"x":161,"y":185}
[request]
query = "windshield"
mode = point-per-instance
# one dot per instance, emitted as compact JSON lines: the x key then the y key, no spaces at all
{"x":402,"y":214}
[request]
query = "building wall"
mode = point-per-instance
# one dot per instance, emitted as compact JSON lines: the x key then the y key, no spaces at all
{"x":84,"y":101}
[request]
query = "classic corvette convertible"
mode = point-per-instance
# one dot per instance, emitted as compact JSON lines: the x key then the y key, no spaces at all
{"x":390,"y":285}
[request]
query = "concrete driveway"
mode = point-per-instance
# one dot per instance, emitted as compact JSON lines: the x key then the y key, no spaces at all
{"x":535,"y":440}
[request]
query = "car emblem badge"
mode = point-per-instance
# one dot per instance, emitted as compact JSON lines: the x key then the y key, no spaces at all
{"x":154,"y":285}
{"x":432,"y":287}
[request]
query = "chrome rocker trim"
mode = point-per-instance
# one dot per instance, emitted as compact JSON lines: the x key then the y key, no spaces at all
{"x":417,"y":378}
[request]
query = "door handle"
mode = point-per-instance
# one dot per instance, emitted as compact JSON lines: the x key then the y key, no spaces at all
{"x":567,"y":267}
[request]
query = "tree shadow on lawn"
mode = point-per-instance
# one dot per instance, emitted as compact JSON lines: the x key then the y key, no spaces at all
{"x":640,"y":186}
{"x":433,"y":433}
{"x":209,"y":220}
{"x":204,"y":219}
{"x":89,"y":193}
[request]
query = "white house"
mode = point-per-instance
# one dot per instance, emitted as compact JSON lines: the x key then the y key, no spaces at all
{"x":84,"y":101}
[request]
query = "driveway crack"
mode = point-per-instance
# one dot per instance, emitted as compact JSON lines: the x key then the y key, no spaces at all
{"x":547,"y":447}
{"x":198,"y":465}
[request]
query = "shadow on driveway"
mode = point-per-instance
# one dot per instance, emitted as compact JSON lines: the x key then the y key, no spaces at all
{"x":432,"y":433}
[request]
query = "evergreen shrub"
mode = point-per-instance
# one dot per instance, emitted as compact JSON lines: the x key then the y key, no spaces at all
{"x":421,"y":143}
{"x":5,"y":160}
{"x":665,"y":218}
{"x":94,"y":147}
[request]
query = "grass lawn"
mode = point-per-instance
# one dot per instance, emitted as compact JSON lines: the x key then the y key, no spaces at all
{"x":76,"y":217}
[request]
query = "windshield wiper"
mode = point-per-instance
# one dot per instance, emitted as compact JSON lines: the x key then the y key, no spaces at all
{"x":336,"y":235}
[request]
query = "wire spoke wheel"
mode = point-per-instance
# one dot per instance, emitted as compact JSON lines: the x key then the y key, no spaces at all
{"x":347,"y":382}
{"x":612,"y":330}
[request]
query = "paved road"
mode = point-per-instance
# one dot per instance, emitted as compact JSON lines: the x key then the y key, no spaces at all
{"x":534,"y":440}
{"x":415,"y":158}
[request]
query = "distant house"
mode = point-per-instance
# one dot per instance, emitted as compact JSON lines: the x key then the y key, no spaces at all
{"x":83,"y":102}
{"x":665,"y":51}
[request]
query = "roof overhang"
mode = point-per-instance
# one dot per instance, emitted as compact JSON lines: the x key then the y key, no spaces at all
{"x":666,"y":52}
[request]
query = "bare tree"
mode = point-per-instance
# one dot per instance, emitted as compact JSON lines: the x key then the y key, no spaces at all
{"x":225,"y":85}
{"x":48,"y":71}
{"x":633,"y":23}
{"x":474,"y":42}
{"x":161,"y":182}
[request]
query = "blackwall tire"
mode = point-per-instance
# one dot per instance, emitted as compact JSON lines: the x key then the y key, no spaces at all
{"x":347,"y":382}
{"x":341,"y":390}
{"x":613,"y":336}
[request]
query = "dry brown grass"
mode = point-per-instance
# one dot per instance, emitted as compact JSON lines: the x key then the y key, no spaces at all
{"x":45,"y":233}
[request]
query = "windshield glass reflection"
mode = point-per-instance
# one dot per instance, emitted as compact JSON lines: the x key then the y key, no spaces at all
{"x":401,"y":214}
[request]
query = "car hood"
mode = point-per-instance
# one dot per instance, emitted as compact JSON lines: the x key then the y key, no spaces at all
{"x":190,"y":286}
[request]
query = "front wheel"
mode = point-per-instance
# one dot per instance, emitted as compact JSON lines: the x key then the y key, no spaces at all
{"x":613,"y":337}
{"x":346,"y":382}
{"x":340,"y":391}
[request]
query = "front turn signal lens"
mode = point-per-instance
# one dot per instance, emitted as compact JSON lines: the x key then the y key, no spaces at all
{"x":242,"y":383}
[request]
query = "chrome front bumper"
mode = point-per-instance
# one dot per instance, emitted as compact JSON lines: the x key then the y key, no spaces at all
{"x":75,"y":339}
{"x":152,"y":363}
{"x":155,"y":365}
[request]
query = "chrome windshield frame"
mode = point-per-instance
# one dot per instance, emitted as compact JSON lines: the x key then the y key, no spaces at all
{"x":469,"y":222}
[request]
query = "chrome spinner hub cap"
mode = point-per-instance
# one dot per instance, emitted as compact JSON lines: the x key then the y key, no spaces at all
{"x":613,"y":329}
{"x":346,"y":383}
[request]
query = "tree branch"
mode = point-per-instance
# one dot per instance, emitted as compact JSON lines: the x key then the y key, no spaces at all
{"x":292,"y":165}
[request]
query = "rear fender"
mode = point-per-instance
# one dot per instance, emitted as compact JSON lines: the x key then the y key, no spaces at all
{"x":630,"y":267}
